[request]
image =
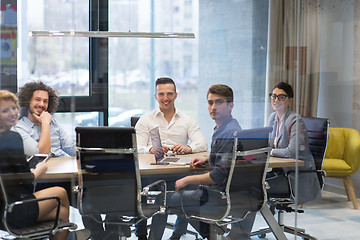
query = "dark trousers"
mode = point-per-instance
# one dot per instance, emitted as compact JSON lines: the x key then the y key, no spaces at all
{"x":180,"y":224}
{"x":279,"y":184}
{"x":201,"y":203}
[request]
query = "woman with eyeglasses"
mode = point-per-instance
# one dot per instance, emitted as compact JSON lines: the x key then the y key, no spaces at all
{"x":13,"y":163}
{"x":285,"y":145}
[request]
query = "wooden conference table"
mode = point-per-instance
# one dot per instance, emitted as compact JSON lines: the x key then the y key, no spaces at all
{"x":65,"y":168}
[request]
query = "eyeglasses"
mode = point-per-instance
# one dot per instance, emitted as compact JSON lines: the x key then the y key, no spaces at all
{"x":280,"y":97}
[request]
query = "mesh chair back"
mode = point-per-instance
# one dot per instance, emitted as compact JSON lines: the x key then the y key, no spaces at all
{"x":317,"y":129}
{"x":247,"y":185}
{"x":109,"y":177}
{"x":105,"y":137}
{"x":244,"y":191}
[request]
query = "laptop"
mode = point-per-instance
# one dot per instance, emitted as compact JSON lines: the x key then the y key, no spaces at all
{"x":253,"y":138}
{"x":159,"y":155}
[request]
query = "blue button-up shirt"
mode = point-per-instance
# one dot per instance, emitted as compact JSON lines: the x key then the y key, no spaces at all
{"x":222,"y":149}
{"x":61,"y":145}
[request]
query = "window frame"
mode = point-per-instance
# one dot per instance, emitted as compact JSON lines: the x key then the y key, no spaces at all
{"x":98,"y":69}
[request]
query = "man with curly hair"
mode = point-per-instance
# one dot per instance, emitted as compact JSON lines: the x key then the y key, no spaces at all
{"x":42,"y":134}
{"x":39,"y":130}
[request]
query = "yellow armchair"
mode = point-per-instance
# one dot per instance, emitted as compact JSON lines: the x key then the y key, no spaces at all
{"x":342,"y":158}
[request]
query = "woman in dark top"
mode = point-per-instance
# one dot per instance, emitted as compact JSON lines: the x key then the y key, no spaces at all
{"x":19,"y":183}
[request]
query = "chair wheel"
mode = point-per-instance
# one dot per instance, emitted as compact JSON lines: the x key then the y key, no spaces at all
{"x":263,"y":235}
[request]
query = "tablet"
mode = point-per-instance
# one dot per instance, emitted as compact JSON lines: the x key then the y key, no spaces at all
{"x":35,"y":159}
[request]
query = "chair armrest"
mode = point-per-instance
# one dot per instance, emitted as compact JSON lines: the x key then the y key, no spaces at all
{"x":9,"y":209}
{"x":76,"y":189}
{"x":153,"y":198}
{"x":12,"y":205}
{"x":352,"y":150}
{"x":147,"y":188}
{"x":221,"y":193}
{"x":322,"y":172}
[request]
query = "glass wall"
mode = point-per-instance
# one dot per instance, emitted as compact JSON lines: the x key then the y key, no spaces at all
{"x":248,"y":45}
{"x":60,"y":62}
{"x":339,"y":71}
{"x":223,"y":51}
{"x":232,"y":53}
{"x":134,"y":64}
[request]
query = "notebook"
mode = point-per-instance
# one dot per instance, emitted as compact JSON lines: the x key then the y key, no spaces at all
{"x":159,"y":155}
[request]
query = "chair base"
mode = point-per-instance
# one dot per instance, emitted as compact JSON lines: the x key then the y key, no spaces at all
{"x":171,"y":226}
{"x":283,"y":206}
{"x":261,"y":233}
{"x":38,"y":231}
{"x":123,"y":231}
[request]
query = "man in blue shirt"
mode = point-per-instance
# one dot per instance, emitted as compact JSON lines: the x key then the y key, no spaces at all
{"x":220,"y":105}
{"x":39,"y":130}
{"x":42,"y":134}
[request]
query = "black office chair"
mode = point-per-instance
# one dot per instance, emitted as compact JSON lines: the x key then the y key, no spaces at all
{"x":109,"y":179}
{"x":38,"y":231}
{"x":318,"y":133}
{"x":169,"y":225}
{"x":245,"y":188}
{"x":134,"y":120}
{"x":317,"y":129}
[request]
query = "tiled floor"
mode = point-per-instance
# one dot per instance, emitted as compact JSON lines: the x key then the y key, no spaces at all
{"x":330,"y":218}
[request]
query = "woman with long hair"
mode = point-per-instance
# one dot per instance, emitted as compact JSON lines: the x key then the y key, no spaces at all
{"x":13,"y":161}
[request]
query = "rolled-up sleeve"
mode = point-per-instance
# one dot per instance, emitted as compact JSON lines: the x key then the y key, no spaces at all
{"x":29,"y":137}
{"x":66,"y":144}
{"x":220,"y":158}
{"x":61,"y":145}
{"x":197,"y":141}
{"x":142,"y":135}
{"x":220,"y":172}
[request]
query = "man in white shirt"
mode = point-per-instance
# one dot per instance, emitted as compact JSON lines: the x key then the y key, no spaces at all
{"x":176,"y":130}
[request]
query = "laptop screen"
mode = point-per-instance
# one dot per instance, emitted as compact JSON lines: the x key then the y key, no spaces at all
{"x":254,"y":138}
{"x":105,"y":137}
{"x":156,"y":142}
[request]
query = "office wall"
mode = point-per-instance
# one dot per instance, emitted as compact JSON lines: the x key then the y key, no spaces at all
{"x":8,"y":47}
{"x":229,"y":42}
{"x":339,"y":59}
